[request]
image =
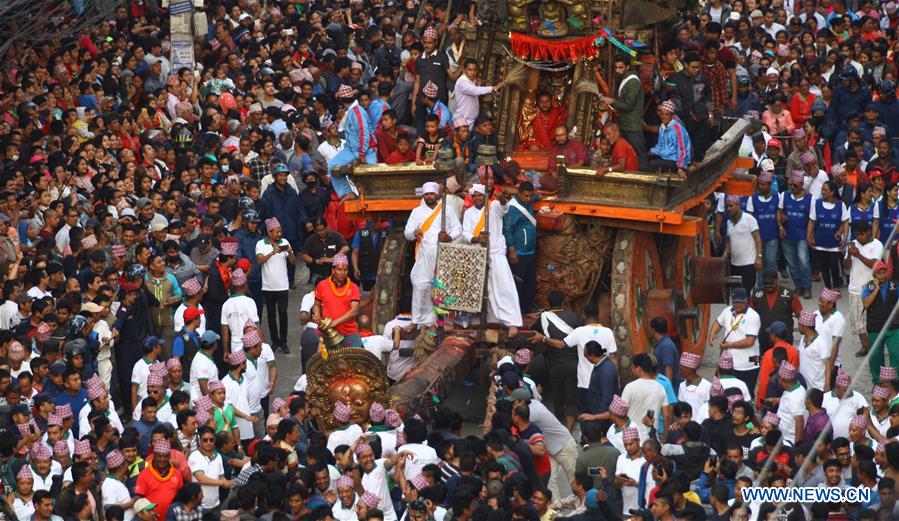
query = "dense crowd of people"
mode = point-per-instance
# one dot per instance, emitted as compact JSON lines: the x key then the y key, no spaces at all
{"x":150,"y":216}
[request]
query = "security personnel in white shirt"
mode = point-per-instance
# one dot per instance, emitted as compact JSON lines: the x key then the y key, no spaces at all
{"x":744,"y":244}
{"x":740,"y":325}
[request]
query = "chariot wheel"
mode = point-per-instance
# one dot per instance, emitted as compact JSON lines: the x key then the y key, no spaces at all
{"x":636,"y":271}
{"x":696,"y":323}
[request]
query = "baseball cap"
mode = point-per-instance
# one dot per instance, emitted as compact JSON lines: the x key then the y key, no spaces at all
{"x":143,"y":504}
{"x":91,"y":307}
{"x":779,"y":329}
{"x":519,"y":394}
{"x":210,"y":337}
{"x":738,"y":295}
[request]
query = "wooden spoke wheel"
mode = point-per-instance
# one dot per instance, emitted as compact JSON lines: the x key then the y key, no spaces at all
{"x":636,"y":271}
{"x":695,"y":328}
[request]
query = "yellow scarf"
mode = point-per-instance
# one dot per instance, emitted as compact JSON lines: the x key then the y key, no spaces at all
{"x":427,"y":224}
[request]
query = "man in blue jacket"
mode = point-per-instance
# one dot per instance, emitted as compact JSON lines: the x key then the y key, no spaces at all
{"x":673,"y":151}
{"x":283,"y":202}
{"x":850,"y":97}
{"x":520,"y":230}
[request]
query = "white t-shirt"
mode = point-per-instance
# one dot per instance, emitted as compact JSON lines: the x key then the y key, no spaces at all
{"x":813,"y":360}
{"x":266,"y":358}
{"x":377,"y":345}
{"x":614,"y":434}
{"x":179,"y":319}
{"x":211,"y":468}
{"x":630,"y":468}
{"x":236,"y":393}
{"x":236,"y":312}
{"x":202,"y":368}
{"x":115,"y":492}
{"x":842,"y":411}
{"x":139,"y":375}
{"x":742,"y":244}
{"x":307,"y":302}
{"x":814,"y":185}
{"x":644,"y":395}
{"x":859,"y":273}
{"x":346,"y":436}
{"x":845,"y":215}
{"x":579,"y":338}
{"x":376,"y":483}
{"x":832,"y":328}
{"x":792,"y":404}
{"x":424,"y":455}
{"x":736,"y":328}
{"x":274,"y":271}
{"x":695,"y":395}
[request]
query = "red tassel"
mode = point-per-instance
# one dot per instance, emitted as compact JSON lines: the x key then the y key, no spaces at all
{"x":530,"y":47}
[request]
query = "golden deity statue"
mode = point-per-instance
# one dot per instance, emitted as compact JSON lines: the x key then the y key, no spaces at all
{"x":350,"y":375}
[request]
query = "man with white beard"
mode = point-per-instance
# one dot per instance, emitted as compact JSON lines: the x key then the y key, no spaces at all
{"x":424,"y":227}
{"x":502,"y":295}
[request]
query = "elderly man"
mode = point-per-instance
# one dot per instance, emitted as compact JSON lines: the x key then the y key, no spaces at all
{"x":624,"y":157}
{"x":841,"y":404}
{"x":428,"y":224}
{"x":502,"y":297}
{"x":672,"y":152}
{"x":358,"y":143}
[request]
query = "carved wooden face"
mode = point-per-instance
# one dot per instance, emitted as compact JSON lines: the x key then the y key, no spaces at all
{"x":356,"y":394}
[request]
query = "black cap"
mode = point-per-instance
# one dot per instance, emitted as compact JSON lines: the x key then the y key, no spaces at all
{"x":98,"y":255}
{"x":769,"y":275}
{"x":738,"y":295}
{"x":204,"y":238}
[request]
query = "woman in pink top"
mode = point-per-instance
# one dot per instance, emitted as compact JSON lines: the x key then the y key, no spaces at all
{"x":777,"y":118}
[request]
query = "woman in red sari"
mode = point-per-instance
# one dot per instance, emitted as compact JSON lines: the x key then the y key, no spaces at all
{"x":801,"y":102}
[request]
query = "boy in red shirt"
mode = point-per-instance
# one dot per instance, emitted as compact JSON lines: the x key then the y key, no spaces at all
{"x":403,"y":152}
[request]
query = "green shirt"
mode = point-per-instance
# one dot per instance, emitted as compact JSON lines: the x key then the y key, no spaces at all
{"x":224,"y":417}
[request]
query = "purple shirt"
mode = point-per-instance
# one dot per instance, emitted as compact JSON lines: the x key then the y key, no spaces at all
{"x":814,"y":425}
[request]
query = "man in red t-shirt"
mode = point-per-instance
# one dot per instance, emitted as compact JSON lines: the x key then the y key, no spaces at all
{"x":624,"y":158}
{"x":527,"y":431}
{"x":337,"y":298}
{"x":159,"y":482}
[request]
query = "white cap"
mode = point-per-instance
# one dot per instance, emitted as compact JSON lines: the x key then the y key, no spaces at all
{"x":767,"y":165}
{"x":430,"y":188}
{"x":772,"y":70}
{"x":128,"y":212}
{"x":477,"y":189}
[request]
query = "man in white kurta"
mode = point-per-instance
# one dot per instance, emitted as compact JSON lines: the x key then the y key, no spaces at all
{"x":502,"y":296}
{"x":424,"y":227}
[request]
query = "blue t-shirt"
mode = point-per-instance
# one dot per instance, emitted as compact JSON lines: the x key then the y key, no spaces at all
{"x":666,"y":355}
{"x":671,"y":400}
